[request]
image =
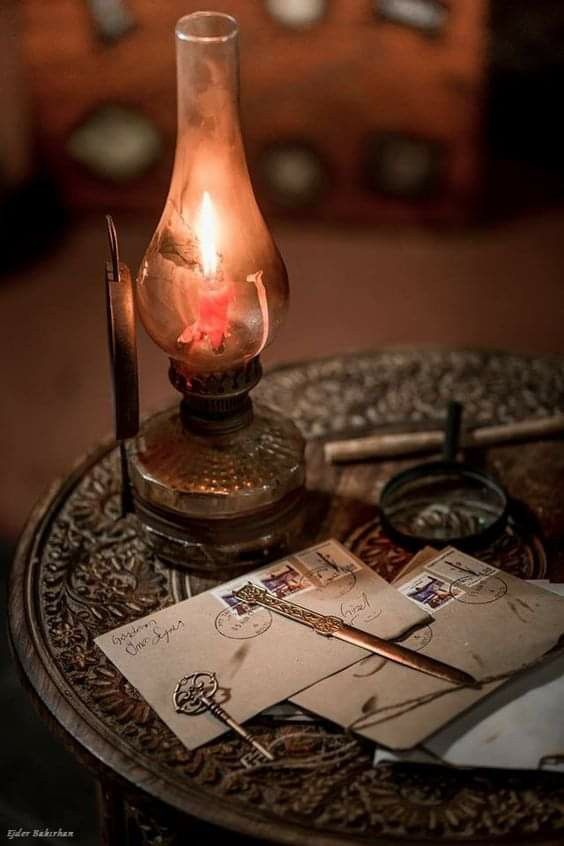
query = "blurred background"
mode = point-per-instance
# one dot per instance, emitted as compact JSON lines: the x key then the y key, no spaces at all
{"x":407,"y":153}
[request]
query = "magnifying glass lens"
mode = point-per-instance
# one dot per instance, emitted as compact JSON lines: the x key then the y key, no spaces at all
{"x":443,"y":506}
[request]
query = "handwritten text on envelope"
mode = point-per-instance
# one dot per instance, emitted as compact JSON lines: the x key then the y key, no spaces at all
{"x":260,"y":658}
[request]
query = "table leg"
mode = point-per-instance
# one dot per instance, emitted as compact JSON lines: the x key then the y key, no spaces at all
{"x":111,"y":816}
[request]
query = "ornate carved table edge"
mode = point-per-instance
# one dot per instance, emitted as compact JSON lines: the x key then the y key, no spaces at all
{"x":354,"y":805}
{"x":71,"y":721}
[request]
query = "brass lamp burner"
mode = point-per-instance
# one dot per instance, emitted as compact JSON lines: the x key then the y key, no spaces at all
{"x":219,"y":484}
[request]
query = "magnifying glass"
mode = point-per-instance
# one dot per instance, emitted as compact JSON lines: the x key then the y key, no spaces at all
{"x":443,"y":503}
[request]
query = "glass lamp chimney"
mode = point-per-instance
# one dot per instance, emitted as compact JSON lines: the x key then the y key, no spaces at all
{"x":212,"y":288}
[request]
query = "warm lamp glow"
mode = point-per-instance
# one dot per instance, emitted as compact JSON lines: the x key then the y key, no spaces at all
{"x":212,"y":288}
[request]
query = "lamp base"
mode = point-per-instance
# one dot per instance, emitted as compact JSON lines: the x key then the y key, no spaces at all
{"x":219,"y":501}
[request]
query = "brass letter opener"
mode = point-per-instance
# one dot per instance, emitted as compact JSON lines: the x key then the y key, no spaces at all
{"x":194,"y":695}
{"x":335,"y":627}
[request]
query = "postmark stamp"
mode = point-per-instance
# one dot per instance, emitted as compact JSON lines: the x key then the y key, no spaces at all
{"x":331,"y":567}
{"x":252,"y":622}
{"x":337,"y":588}
{"x":420,"y":638}
{"x":452,"y":565}
{"x":228,"y":598}
{"x":482,"y":593}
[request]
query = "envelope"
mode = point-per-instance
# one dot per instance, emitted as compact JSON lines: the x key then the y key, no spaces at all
{"x":519,"y":726}
{"x":259,"y":658}
{"x":487,"y":622}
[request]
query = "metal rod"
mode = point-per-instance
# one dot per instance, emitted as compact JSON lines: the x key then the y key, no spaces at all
{"x":114,"y":248}
{"x":412,"y":443}
{"x":452,"y":431}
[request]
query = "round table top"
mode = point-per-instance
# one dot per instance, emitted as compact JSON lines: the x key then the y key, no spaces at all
{"x":81,"y":571}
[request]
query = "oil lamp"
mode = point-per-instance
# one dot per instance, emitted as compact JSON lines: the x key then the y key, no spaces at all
{"x":216,"y":482}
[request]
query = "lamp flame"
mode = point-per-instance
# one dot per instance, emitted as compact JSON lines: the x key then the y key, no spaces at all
{"x":206,"y":229}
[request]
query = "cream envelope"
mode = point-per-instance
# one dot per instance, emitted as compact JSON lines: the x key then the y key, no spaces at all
{"x":519,"y":726}
{"x":259,"y":658}
{"x":487,"y":622}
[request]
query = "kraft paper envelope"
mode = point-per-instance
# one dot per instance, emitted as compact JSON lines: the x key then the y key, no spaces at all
{"x":260,"y":658}
{"x":519,"y":726}
{"x":487,"y":622}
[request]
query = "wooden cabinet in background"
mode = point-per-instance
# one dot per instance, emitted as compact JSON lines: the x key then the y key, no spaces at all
{"x":371,"y":112}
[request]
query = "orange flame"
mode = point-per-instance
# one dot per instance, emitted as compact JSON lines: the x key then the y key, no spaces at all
{"x":206,"y":230}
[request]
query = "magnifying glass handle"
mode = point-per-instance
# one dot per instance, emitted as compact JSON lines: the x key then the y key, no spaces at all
{"x":452,"y":430}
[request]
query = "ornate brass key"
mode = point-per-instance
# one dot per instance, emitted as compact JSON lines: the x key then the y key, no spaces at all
{"x":194,"y":694}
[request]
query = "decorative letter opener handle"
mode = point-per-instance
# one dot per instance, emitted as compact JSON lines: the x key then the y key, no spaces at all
{"x":336,"y":627}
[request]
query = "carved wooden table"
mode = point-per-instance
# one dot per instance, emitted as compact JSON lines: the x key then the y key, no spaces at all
{"x":80,"y":571}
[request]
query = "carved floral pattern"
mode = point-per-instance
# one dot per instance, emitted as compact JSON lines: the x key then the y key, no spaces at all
{"x":92,"y":572}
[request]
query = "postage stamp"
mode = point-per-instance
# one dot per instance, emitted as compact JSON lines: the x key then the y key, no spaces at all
{"x":281,"y":579}
{"x":428,"y":592}
{"x":328,"y":566}
{"x":453,"y":565}
{"x":233,"y":602}
{"x":284,"y":579}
